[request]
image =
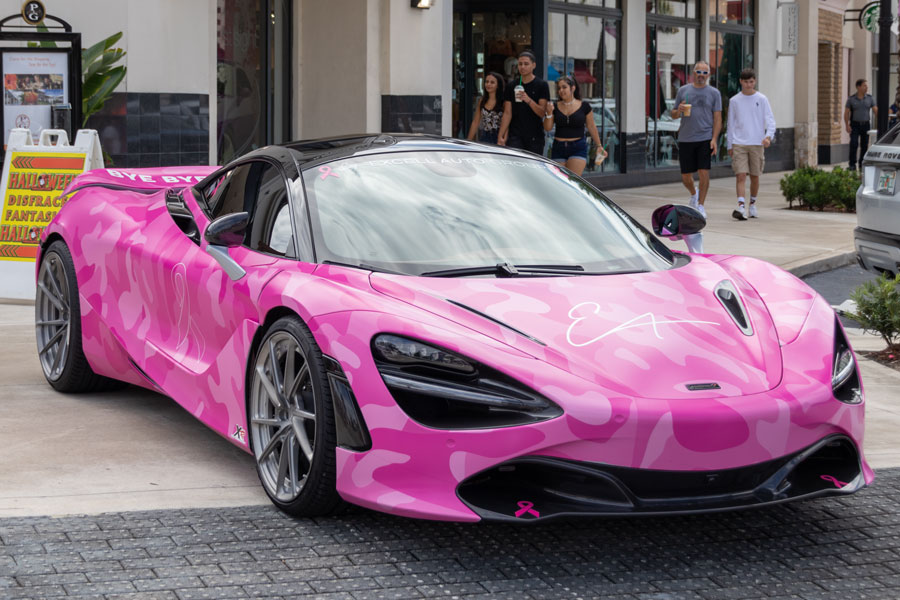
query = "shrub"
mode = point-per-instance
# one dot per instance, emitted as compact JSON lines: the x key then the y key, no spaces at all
{"x":797,"y":186}
{"x":878,"y":308}
{"x":817,"y":189}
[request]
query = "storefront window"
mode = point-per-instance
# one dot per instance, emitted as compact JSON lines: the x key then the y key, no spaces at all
{"x":671,"y":52}
{"x":731,"y":12}
{"x":606,"y":3}
{"x":731,"y":49}
{"x":587,"y":49}
{"x":686,"y":9}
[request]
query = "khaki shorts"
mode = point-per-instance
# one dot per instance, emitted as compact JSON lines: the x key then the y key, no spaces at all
{"x":748,"y":159}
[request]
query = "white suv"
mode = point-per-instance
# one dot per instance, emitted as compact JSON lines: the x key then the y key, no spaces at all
{"x":877,"y":236}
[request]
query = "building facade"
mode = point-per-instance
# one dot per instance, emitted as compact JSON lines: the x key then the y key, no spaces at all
{"x":209,"y":80}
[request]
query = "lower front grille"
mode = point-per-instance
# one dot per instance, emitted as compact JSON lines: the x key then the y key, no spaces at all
{"x":542,"y":487}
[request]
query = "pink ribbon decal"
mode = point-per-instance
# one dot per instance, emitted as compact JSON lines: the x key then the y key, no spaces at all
{"x":834,"y":480}
{"x":525,"y":505}
{"x":325,"y":170}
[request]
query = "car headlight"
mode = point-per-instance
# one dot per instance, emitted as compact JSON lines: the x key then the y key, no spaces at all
{"x":844,"y":375}
{"x":442,"y":389}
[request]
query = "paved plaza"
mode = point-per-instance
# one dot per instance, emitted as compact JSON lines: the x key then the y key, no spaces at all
{"x":834,"y":548}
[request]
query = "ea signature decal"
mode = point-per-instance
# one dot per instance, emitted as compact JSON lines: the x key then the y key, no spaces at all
{"x":644,"y":320}
{"x":240,"y":434}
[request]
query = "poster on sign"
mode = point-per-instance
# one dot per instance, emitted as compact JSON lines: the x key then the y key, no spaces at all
{"x":33,"y":81}
{"x":34,"y":177}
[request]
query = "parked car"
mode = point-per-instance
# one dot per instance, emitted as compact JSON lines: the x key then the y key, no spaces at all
{"x":441,"y":329}
{"x":877,"y":236}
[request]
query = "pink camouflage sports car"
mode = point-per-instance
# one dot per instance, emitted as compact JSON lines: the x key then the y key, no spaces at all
{"x":444,"y":330}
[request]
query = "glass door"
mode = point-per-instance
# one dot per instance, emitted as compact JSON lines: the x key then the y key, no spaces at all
{"x":253,"y":75}
{"x":484,"y":42}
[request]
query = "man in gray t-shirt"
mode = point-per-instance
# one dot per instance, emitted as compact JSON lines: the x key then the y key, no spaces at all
{"x":699,"y":107}
{"x":857,"y":121}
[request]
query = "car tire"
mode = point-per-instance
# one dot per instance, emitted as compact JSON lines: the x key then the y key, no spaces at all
{"x":57,"y":324}
{"x":291,"y":421}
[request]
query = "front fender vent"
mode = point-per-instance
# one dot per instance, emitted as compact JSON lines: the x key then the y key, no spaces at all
{"x":730,"y":300}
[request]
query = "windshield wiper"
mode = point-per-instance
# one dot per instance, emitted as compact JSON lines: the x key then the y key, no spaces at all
{"x":506,"y":269}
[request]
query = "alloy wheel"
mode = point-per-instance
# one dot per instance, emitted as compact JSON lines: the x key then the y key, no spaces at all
{"x":53,"y":316}
{"x":283,"y":416}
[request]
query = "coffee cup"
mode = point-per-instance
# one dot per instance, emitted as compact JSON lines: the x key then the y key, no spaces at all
{"x":518,"y":89}
{"x":686,"y":110}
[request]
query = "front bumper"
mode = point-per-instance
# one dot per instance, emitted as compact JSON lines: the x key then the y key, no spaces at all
{"x":540,"y":488}
{"x":416,"y":471}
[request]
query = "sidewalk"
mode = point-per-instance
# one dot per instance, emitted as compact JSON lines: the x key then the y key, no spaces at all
{"x":800,"y":241}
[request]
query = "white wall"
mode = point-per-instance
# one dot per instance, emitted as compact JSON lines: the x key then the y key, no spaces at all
{"x":775,"y":75}
{"x":332,"y":70}
{"x":170,"y":46}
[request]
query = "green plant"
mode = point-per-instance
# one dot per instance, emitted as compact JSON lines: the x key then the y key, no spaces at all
{"x":99,"y":74}
{"x":878,"y":308}
{"x":848,"y":184}
{"x":798,"y":186}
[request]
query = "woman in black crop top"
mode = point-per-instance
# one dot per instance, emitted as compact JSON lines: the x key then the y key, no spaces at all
{"x":570,"y":116}
{"x":489,"y":111}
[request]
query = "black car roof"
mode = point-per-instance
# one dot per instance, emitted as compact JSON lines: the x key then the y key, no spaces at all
{"x":308,"y":152}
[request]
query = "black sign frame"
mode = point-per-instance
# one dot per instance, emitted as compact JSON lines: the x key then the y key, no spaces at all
{"x":61,"y":31}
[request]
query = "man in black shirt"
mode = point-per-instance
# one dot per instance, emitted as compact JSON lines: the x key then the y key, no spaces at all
{"x":858,"y":122}
{"x":524,"y":105}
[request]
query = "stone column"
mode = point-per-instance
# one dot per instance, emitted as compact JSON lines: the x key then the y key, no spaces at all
{"x":634,"y":83}
{"x":806,"y":87}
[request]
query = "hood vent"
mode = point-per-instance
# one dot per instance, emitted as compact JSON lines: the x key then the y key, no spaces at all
{"x":495,"y":320}
{"x":728,"y":296}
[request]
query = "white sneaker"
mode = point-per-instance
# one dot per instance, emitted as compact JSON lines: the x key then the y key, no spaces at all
{"x":695,"y":201}
{"x":740,"y":213}
{"x":701,"y":209}
{"x":753,"y":210}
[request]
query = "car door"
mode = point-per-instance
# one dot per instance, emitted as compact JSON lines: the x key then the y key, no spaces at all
{"x":205,"y":311}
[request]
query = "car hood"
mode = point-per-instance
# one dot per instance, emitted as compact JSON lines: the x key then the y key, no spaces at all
{"x":648,"y":335}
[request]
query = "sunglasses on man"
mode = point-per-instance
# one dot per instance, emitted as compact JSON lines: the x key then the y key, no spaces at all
{"x":699,"y":72}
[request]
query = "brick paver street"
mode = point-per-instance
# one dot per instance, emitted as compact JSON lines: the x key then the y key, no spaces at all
{"x":836,"y":548}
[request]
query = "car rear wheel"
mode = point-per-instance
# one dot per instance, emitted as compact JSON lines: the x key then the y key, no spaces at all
{"x":291,"y":421}
{"x":57,"y":324}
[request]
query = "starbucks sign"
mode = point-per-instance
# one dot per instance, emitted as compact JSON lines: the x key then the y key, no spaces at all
{"x":868,"y":17}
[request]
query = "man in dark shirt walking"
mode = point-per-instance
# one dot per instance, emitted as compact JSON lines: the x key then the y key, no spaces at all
{"x":857,"y":121}
{"x":524,"y":108}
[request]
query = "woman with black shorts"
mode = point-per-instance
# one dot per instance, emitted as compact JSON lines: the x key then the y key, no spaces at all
{"x":571,"y":115}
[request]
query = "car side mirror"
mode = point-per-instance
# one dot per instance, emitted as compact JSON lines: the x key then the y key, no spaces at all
{"x":228,"y":230}
{"x":673,"y":220}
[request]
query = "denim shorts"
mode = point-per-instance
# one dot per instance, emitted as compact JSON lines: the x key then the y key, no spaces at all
{"x":563,"y":151}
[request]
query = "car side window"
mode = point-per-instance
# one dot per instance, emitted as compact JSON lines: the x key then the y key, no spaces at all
{"x":232,"y":193}
{"x":270,"y":226}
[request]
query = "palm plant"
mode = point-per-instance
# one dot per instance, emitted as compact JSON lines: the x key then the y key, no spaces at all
{"x":99,"y":74}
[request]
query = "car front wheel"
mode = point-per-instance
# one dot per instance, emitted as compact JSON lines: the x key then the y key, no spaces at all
{"x":291,"y":420}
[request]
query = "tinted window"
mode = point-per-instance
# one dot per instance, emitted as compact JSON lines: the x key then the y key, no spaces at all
{"x":270,"y":228}
{"x":259,"y":189}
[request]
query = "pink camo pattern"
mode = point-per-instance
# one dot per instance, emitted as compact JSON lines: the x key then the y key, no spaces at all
{"x":618,"y":350}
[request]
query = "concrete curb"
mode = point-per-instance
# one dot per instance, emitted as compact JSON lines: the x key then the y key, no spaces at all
{"x":824,"y":264}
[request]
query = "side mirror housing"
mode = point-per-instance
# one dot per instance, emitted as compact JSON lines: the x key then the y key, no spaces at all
{"x":674,"y":220}
{"x":227,"y":230}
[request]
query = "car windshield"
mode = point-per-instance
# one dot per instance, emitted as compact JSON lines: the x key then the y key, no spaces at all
{"x":421,"y":212}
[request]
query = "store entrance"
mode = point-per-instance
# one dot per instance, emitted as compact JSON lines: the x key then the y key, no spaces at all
{"x":253,"y":67}
{"x":487,"y":37}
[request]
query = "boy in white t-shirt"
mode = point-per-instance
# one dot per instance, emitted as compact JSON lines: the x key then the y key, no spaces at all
{"x":751,"y":127}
